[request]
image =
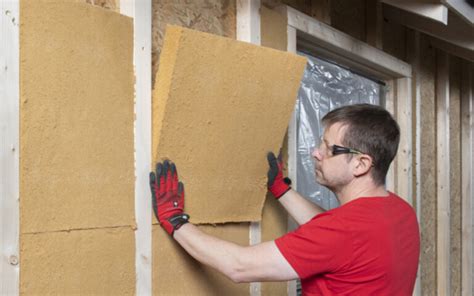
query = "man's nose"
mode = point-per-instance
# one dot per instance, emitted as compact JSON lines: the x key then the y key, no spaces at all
{"x":316,"y":154}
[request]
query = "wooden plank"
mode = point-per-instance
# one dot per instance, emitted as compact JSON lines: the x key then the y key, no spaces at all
{"x":321,"y":10}
{"x":413,"y":56}
{"x":461,"y":52}
{"x":389,"y":104}
{"x":462,"y":8}
{"x":248,"y":29}
{"x":292,"y":150}
{"x":373,"y":23}
{"x":248,"y":21}
{"x":9,"y":147}
{"x":433,"y":11}
{"x":457,"y":32}
{"x":141,"y":13}
{"x":466,"y":179}
{"x":404,"y":156}
{"x":340,"y":44}
{"x":443,"y":174}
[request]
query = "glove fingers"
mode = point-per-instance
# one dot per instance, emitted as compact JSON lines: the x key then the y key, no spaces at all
{"x":167,"y":175}
{"x":181,"y":194}
{"x":273,"y":170}
{"x":161,"y":178}
{"x":153,"y":187}
{"x":174,"y":178}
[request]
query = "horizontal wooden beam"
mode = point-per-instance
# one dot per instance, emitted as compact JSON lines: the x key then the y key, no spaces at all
{"x":434,"y":11}
{"x":456,"y":32}
{"x":338,"y":44}
{"x":462,"y":8}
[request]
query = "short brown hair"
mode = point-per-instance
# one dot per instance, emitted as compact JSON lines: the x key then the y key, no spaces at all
{"x":370,"y":129}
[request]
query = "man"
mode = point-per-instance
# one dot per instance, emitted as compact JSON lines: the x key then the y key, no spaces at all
{"x":367,"y":246}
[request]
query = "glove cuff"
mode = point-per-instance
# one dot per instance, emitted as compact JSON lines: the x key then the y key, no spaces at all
{"x":277,"y":193}
{"x":175,"y":222}
{"x":278,"y":189}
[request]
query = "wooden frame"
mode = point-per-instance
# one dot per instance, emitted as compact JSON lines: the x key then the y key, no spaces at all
{"x":467,"y":195}
{"x":443,"y":175}
{"x":340,"y":47}
{"x":9,"y":147}
{"x":414,"y":59}
{"x":141,"y":11}
{"x":248,"y":29}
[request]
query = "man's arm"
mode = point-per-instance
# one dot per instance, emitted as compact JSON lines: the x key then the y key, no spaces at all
{"x":262,"y":262}
{"x":299,"y":208}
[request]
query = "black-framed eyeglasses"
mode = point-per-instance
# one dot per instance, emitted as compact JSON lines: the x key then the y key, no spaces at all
{"x":336,"y":150}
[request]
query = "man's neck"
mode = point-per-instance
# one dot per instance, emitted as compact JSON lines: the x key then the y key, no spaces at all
{"x":360,"y":189}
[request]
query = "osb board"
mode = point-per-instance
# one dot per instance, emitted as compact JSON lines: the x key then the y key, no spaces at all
{"x":113,"y":5}
{"x":455,"y":176}
{"x":274,"y":217}
{"x":428,"y":168}
{"x":219,"y":106}
{"x":212,"y":16}
{"x":76,"y":129}
{"x":85,"y":262}
{"x":176,"y":273}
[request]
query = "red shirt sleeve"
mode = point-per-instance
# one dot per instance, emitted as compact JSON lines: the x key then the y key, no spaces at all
{"x":319,"y":246}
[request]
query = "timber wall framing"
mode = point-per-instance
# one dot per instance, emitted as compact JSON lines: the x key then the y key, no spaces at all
{"x":439,"y":109}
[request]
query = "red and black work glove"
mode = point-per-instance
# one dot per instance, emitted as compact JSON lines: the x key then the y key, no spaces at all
{"x":277,"y":185}
{"x":168,"y":197}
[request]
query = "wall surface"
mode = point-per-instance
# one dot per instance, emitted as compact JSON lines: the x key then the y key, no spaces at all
{"x":76,"y":137}
{"x":221,"y":104}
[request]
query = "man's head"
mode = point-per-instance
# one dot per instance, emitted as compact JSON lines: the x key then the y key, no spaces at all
{"x":370,"y":133}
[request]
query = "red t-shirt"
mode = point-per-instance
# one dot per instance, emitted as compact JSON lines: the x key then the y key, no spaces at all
{"x":368,"y":246}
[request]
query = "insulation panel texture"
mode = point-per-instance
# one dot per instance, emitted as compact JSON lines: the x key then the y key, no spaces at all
{"x":177,"y":273}
{"x":77,"y":154}
{"x":219,"y":106}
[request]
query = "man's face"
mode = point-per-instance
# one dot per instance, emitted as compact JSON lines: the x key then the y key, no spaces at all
{"x":332,"y":171}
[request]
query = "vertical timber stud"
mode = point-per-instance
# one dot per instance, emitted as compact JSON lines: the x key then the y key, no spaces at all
{"x":389,"y":104}
{"x":9,"y":147}
{"x":140,"y":11}
{"x":404,"y":158}
{"x":413,"y":55}
{"x":292,"y":147}
{"x":466,"y":181}
{"x":442,"y":173}
{"x":248,"y":29}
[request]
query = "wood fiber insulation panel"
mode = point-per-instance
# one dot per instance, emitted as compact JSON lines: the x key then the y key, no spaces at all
{"x":76,"y":129}
{"x":274,"y":218}
{"x":82,"y":262}
{"x":177,"y":273}
{"x":219,"y":106}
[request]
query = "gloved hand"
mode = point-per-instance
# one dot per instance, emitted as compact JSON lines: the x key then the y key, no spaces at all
{"x":168,"y":197}
{"x":277,"y":185}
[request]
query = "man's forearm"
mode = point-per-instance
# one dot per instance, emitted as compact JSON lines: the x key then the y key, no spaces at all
{"x":299,"y":208}
{"x":241,"y":264}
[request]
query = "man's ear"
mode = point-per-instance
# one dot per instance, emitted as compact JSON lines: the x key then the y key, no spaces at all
{"x":363,"y":165}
